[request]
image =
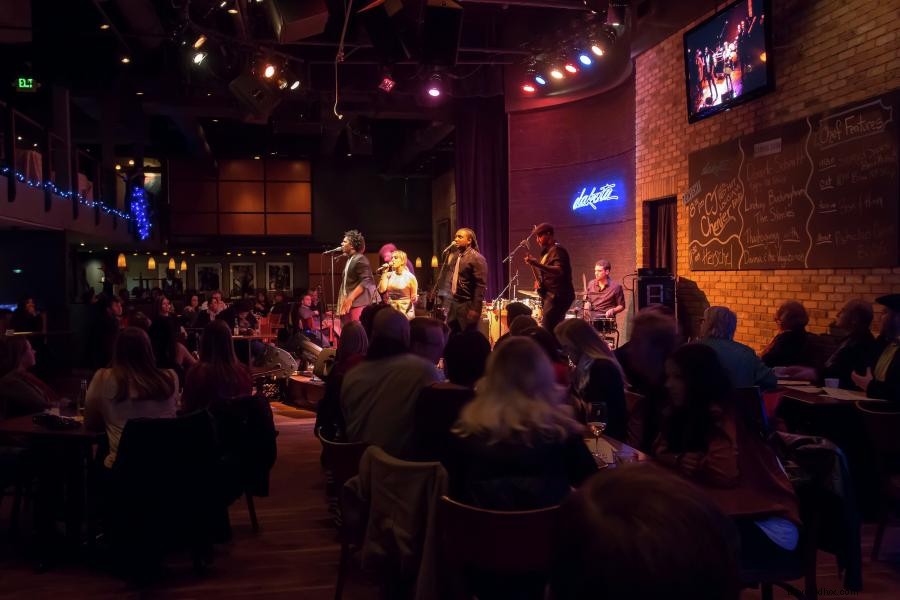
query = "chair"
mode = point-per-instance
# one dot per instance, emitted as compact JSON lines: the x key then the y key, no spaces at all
{"x":882,"y":427}
{"x":390,"y":509}
{"x":341,"y":462}
{"x":246,"y":435}
{"x":163,"y":491}
{"x":752,"y":409}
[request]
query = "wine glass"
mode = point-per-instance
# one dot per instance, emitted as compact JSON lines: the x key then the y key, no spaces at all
{"x":597,"y":424}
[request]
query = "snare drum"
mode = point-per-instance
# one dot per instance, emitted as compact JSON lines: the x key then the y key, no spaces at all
{"x":605,"y":325}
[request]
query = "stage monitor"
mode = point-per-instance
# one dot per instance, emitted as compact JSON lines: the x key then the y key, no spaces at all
{"x":728,"y":59}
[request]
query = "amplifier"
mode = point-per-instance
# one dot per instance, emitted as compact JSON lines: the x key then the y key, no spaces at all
{"x":656,"y":290}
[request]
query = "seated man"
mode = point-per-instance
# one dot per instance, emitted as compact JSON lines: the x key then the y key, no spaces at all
{"x":741,"y":362}
{"x":378,"y":396}
{"x":428,"y":337}
{"x":793,"y":345}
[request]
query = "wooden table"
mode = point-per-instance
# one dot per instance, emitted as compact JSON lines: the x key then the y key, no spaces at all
{"x":61,"y":457}
{"x":304,"y":391}
{"x":618,"y":449}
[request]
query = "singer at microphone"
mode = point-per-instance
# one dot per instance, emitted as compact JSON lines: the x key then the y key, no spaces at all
{"x":333,"y":250}
{"x":449,"y":248}
{"x":398,"y":285}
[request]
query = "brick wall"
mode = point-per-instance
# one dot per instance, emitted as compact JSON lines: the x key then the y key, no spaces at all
{"x":826,"y":53}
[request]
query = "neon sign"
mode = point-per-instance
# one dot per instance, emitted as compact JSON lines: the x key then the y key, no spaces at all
{"x":605,"y":193}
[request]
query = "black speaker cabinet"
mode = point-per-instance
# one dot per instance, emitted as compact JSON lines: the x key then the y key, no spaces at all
{"x":255,"y":95}
{"x":388,"y":28}
{"x":656,"y":290}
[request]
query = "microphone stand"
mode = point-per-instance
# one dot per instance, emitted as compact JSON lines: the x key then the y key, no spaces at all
{"x":508,"y":259}
{"x":437,"y":282}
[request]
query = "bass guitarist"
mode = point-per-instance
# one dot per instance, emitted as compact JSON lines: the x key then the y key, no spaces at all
{"x":554,"y":272}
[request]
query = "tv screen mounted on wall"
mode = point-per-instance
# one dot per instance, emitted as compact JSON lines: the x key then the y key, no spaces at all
{"x":727,"y":58}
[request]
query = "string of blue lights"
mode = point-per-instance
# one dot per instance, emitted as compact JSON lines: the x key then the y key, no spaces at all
{"x":139,"y":208}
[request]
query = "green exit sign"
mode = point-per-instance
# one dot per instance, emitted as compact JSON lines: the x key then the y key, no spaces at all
{"x":26,"y":84}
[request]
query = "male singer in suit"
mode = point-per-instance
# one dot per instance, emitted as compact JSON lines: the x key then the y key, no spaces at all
{"x":555,"y":273}
{"x":468,"y":278}
{"x":357,"y":284}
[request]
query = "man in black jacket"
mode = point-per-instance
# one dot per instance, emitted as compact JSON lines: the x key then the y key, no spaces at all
{"x":357,"y":285}
{"x":555,"y":271}
{"x":468,"y":277}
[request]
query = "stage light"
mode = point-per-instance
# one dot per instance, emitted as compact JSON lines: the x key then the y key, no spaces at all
{"x":556,"y":74}
{"x":295,"y":85}
{"x":585,"y":60}
{"x":597,"y":50}
{"x":269,"y":71}
{"x":125,"y":60}
{"x":435,"y":85}
{"x":615,"y":14}
{"x":199,"y":57}
{"x":571,"y":68}
{"x":198,"y":43}
{"x":540,"y":80}
{"x":387,"y":84}
{"x":121,"y":261}
{"x":528,"y":88}
{"x":104,"y":26}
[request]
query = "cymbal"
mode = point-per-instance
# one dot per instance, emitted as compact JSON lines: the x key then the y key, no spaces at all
{"x":529,"y":293}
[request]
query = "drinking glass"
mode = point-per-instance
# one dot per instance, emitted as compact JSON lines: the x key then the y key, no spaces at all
{"x":597,"y":424}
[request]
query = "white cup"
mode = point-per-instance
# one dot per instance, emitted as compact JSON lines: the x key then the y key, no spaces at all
{"x":832,"y":382}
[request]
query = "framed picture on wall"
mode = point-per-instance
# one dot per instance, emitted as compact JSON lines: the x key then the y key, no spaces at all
{"x":242,"y":279}
{"x":280,"y":276}
{"x":208,"y":276}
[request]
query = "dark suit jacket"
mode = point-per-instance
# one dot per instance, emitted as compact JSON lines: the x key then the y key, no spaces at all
{"x":359,"y":273}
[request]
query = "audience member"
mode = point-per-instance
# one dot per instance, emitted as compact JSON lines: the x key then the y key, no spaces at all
{"x":855,"y":353}
{"x":379,"y":394}
{"x":882,"y":378}
{"x":518,"y":325}
{"x":654,"y":336}
{"x":220,"y":302}
{"x":26,"y":317}
{"x":367,"y":317}
{"x":513,"y":311}
{"x":132,"y":387}
{"x":350,"y":352}
{"x":218,"y":376}
{"x":551,"y":348}
{"x":641,"y":533}
{"x":439,"y":404}
{"x":740,"y":361}
{"x":103,"y":329}
{"x":516,"y":447}
{"x":427,"y":338}
{"x":163,"y":332}
{"x":21,"y":393}
{"x":703,"y":439}
{"x":239,"y":315}
{"x":596,"y":377}
{"x":261,"y":305}
{"x":793,"y":345}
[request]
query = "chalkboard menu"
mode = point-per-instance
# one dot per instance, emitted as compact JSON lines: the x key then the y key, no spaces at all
{"x":818,"y":193}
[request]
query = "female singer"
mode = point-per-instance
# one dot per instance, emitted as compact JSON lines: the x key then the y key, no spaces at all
{"x":398,"y":286}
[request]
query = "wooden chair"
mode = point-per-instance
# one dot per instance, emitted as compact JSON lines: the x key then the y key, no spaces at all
{"x":504,"y":543}
{"x":882,"y":426}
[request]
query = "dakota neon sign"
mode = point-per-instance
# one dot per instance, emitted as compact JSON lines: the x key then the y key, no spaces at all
{"x":604,"y":193}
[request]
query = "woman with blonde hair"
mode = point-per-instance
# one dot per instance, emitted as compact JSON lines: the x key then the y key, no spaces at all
{"x":132,"y":387}
{"x":398,"y":286}
{"x":597,"y":378}
{"x":516,"y":446}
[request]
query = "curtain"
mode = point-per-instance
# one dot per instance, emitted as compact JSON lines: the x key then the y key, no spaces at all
{"x":662,"y":234}
{"x":481,"y":181}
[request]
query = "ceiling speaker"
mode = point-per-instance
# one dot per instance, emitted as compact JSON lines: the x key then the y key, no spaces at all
{"x":254,"y":95}
{"x":294,"y":20}
{"x":388,"y":28}
{"x":441,"y":27}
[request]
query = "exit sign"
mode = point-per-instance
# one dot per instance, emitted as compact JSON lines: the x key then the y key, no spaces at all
{"x":26,"y":84}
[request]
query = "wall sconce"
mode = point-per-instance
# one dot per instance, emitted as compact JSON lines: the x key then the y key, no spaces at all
{"x":121,"y":262}
{"x":418,"y":262}
{"x":151,"y":264}
{"x":172,"y":263}
{"x":434,"y":262}
{"x":183,"y":265}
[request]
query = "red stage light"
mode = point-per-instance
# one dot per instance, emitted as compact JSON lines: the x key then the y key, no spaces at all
{"x":528,"y":88}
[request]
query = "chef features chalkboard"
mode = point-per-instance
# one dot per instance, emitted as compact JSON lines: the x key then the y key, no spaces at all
{"x":818,"y":193}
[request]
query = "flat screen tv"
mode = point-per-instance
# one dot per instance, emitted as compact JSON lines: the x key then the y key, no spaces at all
{"x":727,"y":58}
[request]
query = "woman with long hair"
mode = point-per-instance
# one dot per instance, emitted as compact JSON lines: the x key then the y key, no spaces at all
{"x":597,"y":378}
{"x":350,"y":352}
{"x":132,"y":387}
{"x":21,"y":393}
{"x":219,"y":376}
{"x":164,"y":332}
{"x":398,"y":286}
{"x":516,"y":446}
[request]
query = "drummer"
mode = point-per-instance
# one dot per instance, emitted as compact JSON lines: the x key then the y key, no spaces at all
{"x":605,"y":298}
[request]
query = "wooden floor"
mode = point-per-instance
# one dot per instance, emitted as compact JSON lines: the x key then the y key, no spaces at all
{"x":295,"y":554}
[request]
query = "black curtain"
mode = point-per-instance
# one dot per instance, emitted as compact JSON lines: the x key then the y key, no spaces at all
{"x":662,"y":234}
{"x":481,"y":181}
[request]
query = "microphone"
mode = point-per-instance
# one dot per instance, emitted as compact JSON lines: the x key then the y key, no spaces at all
{"x":383,"y":268}
{"x":333,"y":250}
{"x":448,"y":248}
